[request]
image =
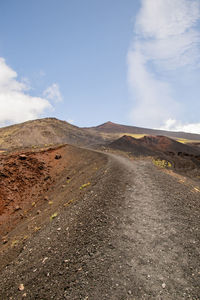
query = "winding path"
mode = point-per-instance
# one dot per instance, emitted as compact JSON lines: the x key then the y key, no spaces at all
{"x":135,"y":235}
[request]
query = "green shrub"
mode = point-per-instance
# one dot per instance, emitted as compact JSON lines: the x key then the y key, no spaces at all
{"x":162,"y":163}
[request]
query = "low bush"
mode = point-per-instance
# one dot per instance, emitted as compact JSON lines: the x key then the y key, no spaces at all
{"x":162,"y":163}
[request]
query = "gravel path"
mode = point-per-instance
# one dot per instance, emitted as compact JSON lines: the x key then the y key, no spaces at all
{"x":133,"y":236}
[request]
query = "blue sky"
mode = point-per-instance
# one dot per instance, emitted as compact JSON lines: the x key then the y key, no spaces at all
{"x":134,"y":62}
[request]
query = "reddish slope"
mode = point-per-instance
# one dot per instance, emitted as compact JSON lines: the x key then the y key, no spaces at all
{"x":150,"y":145}
{"x":28,"y":180}
{"x":165,"y":144}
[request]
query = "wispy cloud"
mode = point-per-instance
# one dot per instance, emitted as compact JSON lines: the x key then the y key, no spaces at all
{"x":154,"y":100}
{"x":166,"y":39}
{"x":175,"y":125}
{"x":53,"y":93}
{"x":16,"y":105}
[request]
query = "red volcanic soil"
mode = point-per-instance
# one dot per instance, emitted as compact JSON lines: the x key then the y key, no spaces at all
{"x":121,"y":229}
{"x":24,"y":178}
{"x":34,"y":185}
{"x":163,"y":143}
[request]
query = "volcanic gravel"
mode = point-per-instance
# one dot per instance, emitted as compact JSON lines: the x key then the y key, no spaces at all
{"x":134,"y":235}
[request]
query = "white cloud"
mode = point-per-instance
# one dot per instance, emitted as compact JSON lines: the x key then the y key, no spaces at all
{"x":53,"y":93}
{"x":175,"y":51}
{"x":166,"y":39}
{"x":175,"y":125}
{"x":15,"y":104}
{"x":154,"y":101}
{"x":161,"y":19}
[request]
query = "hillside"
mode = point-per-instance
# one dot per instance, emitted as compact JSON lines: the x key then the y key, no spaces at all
{"x":165,"y":144}
{"x":149,"y":145}
{"x":107,"y":228}
{"x":82,"y":224}
{"x":131,"y":145}
{"x":51,"y":131}
{"x":45,"y":131}
{"x":111,"y":128}
{"x":183,"y":158}
{"x":34,"y":184}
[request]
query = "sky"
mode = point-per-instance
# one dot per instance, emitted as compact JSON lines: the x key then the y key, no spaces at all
{"x":134,"y":62}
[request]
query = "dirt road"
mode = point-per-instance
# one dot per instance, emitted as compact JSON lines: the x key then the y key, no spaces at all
{"x":135,"y":235}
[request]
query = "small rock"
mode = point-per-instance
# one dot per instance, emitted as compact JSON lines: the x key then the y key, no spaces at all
{"x":129,"y":292}
{"x":3,"y":174}
{"x":24,"y":295}
{"x":58,"y":156}
{"x":17,"y":207}
{"x":22,"y":157}
{"x":163,"y":285}
{"x":21,"y":287}
{"x":47,"y":177}
{"x":5,"y":241}
{"x":46,"y":198}
{"x":21,"y":216}
{"x":44,"y":260}
{"x":41,"y":167}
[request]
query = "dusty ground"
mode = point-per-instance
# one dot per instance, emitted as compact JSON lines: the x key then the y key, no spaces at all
{"x":34,"y":186}
{"x":133,"y":235}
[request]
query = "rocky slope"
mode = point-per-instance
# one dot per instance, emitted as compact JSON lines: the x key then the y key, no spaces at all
{"x":133,"y":235}
{"x":183,"y":158}
{"x":35,"y":185}
{"x":50,"y":131}
{"x":44,"y":132}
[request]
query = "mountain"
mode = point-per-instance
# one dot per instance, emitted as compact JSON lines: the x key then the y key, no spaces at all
{"x":131,"y":145}
{"x":183,"y":158}
{"x":151,"y":145}
{"x":44,"y":132}
{"x":49,"y":131}
{"x":113,"y":128}
{"x":165,"y":144}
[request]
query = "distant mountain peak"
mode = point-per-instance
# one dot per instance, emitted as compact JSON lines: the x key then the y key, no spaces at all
{"x":107,"y":123}
{"x":114,"y":128}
